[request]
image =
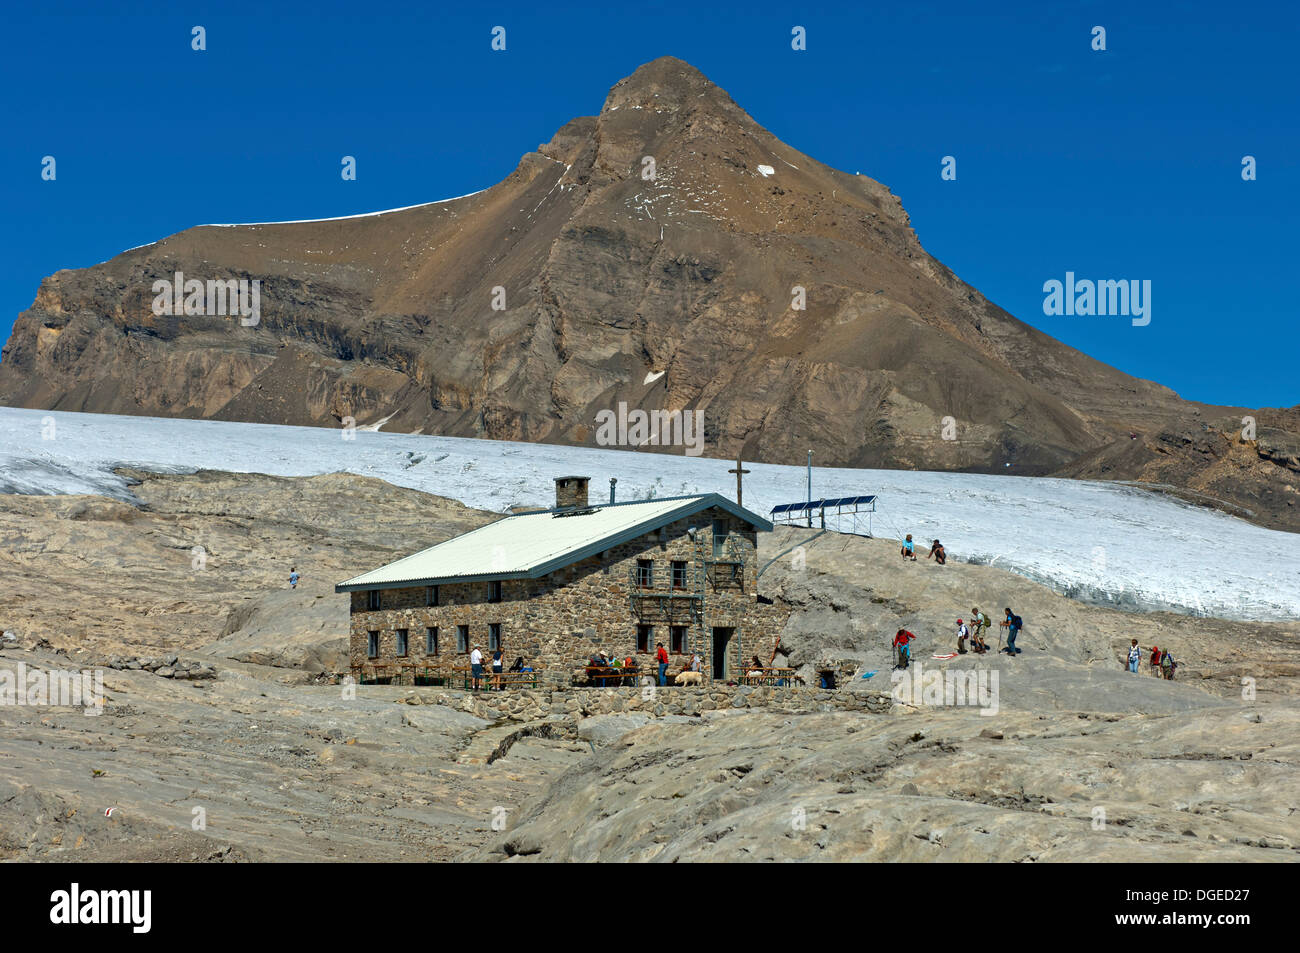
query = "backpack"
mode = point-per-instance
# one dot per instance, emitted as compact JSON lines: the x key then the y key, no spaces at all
{"x":1017,"y":622}
{"x":1167,"y":661}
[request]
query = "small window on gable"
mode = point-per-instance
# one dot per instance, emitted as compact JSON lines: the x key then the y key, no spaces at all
{"x":372,"y":599}
{"x":431,"y":596}
{"x":645,"y":573}
{"x":494,"y":591}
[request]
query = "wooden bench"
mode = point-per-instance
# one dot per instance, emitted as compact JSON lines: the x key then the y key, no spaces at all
{"x":380,"y":672}
{"x":465,"y":675}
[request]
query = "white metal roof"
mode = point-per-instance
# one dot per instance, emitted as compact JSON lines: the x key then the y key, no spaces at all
{"x":529,"y":545}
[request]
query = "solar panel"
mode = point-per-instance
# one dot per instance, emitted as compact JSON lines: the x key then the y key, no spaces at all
{"x":824,"y":503}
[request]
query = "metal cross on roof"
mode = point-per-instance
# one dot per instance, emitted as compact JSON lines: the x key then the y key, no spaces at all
{"x":740,"y":471}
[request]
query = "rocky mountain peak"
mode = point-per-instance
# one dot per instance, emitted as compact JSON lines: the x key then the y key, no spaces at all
{"x":665,"y":82}
{"x":669,"y":253}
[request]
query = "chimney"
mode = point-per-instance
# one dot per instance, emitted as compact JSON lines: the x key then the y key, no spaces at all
{"x":571,"y":492}
{"x":613,"y":481}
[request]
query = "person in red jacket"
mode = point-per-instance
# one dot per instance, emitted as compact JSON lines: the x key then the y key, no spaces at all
{"x":903,"y":648}
{"x":662,"y":655}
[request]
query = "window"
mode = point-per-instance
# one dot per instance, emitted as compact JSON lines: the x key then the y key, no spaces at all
{"x":494,"y":591}
{"x":462,"y":638}
{"x":645,"y":573}
{"x":372,"y":644}
{"x":679,"y":574}
{"x":372,"y":599}
{"x":431,"y":596}
{"x":494,"y":636}
{"x":677,"y":640}
{"x":431,"y":640}
{"x":719,"y":537}
{"x":401,"y":641}
{"x":644,"y":636}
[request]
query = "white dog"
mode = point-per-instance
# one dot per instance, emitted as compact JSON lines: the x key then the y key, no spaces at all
{"x":689,"y":678}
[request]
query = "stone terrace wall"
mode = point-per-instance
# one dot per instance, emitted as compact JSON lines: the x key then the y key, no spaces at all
{"x":534,"y":704}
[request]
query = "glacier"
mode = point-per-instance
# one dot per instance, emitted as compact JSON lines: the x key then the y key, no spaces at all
{"x":1108,"y":544}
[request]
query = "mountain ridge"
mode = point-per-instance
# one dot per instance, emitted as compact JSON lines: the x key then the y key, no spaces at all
{"x":610,"y":275}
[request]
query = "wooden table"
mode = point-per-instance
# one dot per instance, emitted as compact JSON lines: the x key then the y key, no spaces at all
{"x":621,"y":676}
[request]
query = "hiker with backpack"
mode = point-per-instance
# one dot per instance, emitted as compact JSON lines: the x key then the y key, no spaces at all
{"x":979,"y":625}
{"x":1155,"y":660}
{"x":1013,"y":624}
{"x":1167,"y":665}
{"x":963,"y":633}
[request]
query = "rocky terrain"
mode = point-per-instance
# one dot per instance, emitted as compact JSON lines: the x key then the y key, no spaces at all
{"x":581,"y":281}
{"x":1081,"y":761}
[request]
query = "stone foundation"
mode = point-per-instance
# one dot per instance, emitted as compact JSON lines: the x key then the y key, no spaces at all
{"x":536,"y":704}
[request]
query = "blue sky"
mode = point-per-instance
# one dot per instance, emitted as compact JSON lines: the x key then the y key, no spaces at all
{"x":1121,"y":164}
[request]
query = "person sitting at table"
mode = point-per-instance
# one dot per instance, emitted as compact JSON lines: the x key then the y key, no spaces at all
{"x":518,"y":664}
{"x":755,"y":667}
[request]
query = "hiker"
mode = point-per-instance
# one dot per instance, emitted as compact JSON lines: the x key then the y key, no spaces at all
{"x":1013,"y":624}
{"x":518,"y":664}
{"x":1134,"y":657}
{"x":661,"y":654}
{"x":1155,"y":660}
{"x":293,"y":577}
{"x":498,"y":661}
{"x":1167,"y":665}
{"x":938,"y":552}
{"x":476,"y":668}
{"x":963,"y":633}
{"x":908,"y":552}
{"x":980,"y":625}
{"x":903,"y":649}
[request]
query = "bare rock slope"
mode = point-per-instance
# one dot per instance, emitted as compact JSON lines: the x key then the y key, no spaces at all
{"x":609,"y":278}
